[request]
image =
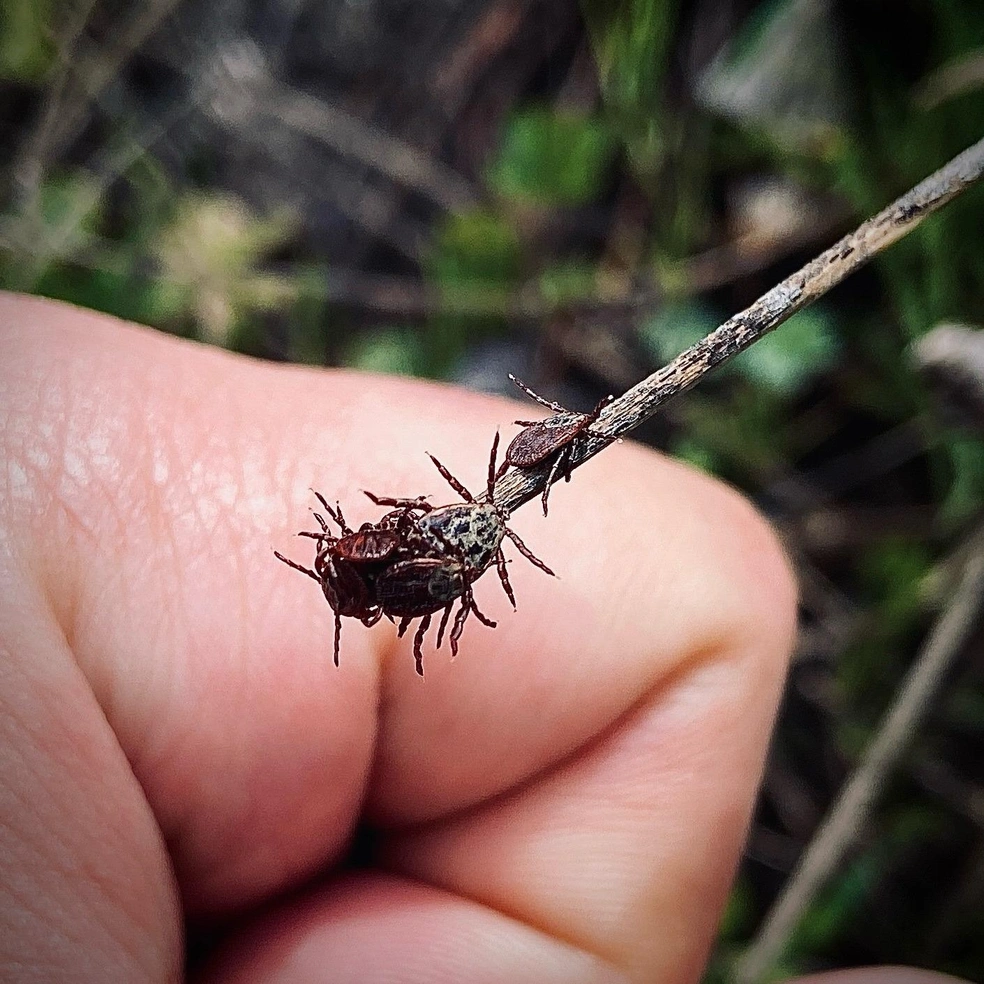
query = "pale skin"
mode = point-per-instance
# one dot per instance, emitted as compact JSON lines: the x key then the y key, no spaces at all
{"x":565,"y":802}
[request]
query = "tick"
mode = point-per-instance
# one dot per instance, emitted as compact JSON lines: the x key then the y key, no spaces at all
{"x":345,"y":566}
{"x":465,"y":540}
{"x":556,"y":437}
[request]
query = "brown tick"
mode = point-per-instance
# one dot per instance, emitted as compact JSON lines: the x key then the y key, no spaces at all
{"x":449,"y":548}
{"x":345,"y":566}
{"x":416,"y":561}
{"x":555,"y":437}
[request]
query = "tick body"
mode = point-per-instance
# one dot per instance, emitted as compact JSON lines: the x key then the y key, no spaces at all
{"x":475,"y":530}
{"x":423,"y":586}
{"x":345,"y":566}
{"x":466,"y":539}
{"x":367,"y":546}
{"x":556,"y":437}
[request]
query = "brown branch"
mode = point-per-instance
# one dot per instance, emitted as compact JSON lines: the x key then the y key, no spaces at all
{"x":770,"y":310}
{"x":846,"y":818}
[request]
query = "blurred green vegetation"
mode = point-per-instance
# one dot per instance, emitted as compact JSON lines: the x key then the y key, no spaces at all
{"x":847,"y":103}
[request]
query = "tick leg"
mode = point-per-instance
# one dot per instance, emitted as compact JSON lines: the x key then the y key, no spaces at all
{"x":554,"y":468}
{"x":490,"y":488}
{"x":593,"y":416}
{"x":346,"y":529}
{"x":336,"y":514}
{"x":568,"y":455}
{"x":602,"y":403}
{"x":370,"y":620}
{"x":418,"y":641}
{"x":452,"y":481}
{"x":338,"y":635}
{"x":500,"y":564}
{"x":527,"y":553}
{"x":444,"y":623}
{"x":484,"y":619}
{"x":404,"y":625}
{"x":297,"y":567}
{"x":459,"y":624}
{"x":556,"y":407}
{"x":385,"y":500}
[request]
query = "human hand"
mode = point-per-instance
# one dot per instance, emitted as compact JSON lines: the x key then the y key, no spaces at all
{"x":564,"y":802}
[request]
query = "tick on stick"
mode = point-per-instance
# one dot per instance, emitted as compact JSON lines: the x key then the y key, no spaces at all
{"x":466,"y":538}
{"x":556,"y":437}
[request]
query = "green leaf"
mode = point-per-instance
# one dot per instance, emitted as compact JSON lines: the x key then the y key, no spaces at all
{"x":965,"y":496}
{"x":739,"y":913}
{"x":836,"y":909}
{"x":675,"y":327}
{"x":567,"y":283}
{"x":26,"y":48}
{"x":395,"y":351}
{"x":632,"y":43}
{"x":476,"y":246}
{"x":697,"y":454}
{"x":552,"y":159}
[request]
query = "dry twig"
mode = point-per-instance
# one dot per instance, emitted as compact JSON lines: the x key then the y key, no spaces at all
{"x":738,"y":333}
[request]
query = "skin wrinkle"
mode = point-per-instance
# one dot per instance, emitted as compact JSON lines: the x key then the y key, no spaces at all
{"x":288,"y":960}
{"x":108,"y":683}
{"x":709,"y":652}
{"x":604,"y":959}
{"x":50,"y":439}
{"x":499,"y":905}
{"x":680,"y":682}
{"x":212,"y":536}
{"x":226,"y":464}
{"x":243,"y":686}
{"x":241,"y":573}
{"x":157,"y":509}
{"x":76,"y":475}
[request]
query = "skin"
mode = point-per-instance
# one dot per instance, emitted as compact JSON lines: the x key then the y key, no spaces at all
{"x":565,"y":802}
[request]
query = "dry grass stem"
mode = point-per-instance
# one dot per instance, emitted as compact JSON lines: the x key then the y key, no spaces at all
{"x":769,"y":311}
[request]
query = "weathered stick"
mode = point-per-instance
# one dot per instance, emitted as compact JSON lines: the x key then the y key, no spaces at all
{"x":770,"y":310}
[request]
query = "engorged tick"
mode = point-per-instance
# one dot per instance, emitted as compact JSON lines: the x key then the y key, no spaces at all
{"x":558,"y":435}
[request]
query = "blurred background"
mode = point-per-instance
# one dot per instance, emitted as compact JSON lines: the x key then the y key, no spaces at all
{"x":575,"y":192}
